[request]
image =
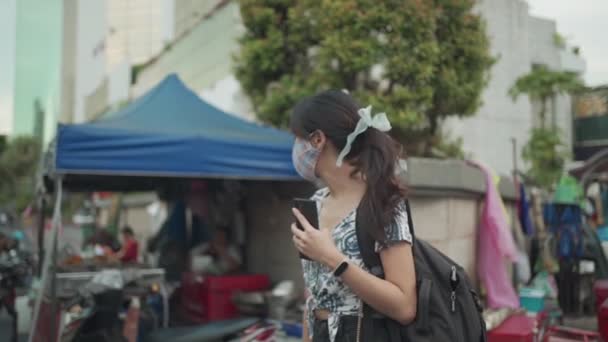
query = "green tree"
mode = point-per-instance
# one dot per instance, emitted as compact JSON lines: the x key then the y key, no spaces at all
{"x":418,"y":61}
{"x":19,"y":162}
{"x":545,"y":151}
{"x":547,"y":155}
{"x":543,"y":85}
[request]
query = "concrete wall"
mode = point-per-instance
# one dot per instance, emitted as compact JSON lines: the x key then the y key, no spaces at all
{"x":269,"y":247}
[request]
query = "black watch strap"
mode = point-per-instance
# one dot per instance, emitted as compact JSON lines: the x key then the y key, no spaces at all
{"x":341,"y":268}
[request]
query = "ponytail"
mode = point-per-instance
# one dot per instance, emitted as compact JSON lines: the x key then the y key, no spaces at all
{"x":376,"y":162}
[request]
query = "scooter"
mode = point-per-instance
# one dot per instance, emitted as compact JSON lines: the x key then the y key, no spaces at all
{"x":94,"y":319}
{"x":211,"y":332}
{"x":14,"y":269}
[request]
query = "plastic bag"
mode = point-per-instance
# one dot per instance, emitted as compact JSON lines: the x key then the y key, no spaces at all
{"x":545,"y":282}
{"x":522,"y":268}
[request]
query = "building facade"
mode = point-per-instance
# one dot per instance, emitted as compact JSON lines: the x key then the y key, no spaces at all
{"x":519,"y":41}
{"x":138,"y":31}
{"x":590,"y":123}
{"x":203,"y":60}
{"x":84,"y":55}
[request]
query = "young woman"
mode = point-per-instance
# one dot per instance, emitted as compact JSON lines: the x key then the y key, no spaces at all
{"x":346,"y":148}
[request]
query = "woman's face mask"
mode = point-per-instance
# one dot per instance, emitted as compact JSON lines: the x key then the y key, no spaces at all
{"x":305,"y":157}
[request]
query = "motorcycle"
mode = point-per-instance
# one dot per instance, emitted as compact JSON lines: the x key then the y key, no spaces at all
{"x":14,"y":273}
{"x":94,"y":318}
{"x":270,"y":309}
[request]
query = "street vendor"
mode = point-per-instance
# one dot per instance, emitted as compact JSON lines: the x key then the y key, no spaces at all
{"x":104,"y":239}
{"x":130,"y":247}
{"x":220,"y":255}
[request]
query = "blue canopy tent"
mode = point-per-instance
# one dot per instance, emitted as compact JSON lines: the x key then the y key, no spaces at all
{"x":169,"y":132}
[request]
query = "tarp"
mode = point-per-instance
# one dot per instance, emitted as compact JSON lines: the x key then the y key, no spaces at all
{"x":171,"y":132}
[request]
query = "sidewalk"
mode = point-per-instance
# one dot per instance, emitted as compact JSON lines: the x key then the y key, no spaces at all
{"x":5,"y":329}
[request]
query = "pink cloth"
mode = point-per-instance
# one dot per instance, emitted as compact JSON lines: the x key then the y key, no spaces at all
{"x":495,"y":244}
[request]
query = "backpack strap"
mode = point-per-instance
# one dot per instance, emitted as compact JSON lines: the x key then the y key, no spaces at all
{"x":367,"y":245}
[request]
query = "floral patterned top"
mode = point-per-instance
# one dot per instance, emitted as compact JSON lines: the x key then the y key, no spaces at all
{"x":328,"y":292}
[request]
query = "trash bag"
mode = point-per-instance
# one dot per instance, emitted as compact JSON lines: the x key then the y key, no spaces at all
{"x":522,"y":268}
{"x":545,"y":282}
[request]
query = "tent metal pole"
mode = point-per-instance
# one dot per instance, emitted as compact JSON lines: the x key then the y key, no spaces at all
{"x":49,"y":270}
{"x":40,"y":232}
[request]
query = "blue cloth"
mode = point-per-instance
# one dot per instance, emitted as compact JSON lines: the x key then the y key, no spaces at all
{"x":200,"y":231}
{"x":565,"y":222}
{"x":176,"y":223}
{"x":524,"y":212}
{"x":171,"y":132}
{"x":18,"y":235}
{"x":604,"y":197}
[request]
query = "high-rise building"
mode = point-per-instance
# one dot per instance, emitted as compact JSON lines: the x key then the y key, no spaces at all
{"x":84,"y":55}
{"x":137,"y":30}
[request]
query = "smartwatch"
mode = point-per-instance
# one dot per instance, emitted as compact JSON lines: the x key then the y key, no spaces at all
{"x":341,"y":268}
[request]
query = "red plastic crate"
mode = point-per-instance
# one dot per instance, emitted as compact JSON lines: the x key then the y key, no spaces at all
{"x":48,"y":321}
{"x":563,"y":334}
{"x":517,"y":328}
{"x":602,"y":320}
{"x":209,"y":298}
{"x":600,"y":289}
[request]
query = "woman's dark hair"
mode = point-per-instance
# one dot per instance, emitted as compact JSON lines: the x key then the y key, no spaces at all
{"x":373,"y":153}
{"x":226,"y":230}
{"x":128,"y":231}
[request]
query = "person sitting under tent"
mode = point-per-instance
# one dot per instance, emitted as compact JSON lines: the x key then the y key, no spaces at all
{"x":129,"y":251}
{"x":219,"y":256}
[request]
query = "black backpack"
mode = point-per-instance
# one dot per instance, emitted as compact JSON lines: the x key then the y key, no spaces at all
{"x":448,"y":308}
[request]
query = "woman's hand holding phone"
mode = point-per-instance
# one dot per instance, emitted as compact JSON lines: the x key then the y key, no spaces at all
{"x":316,"y":244}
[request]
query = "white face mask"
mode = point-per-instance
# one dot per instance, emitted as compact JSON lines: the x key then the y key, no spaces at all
{"x":305,"y":157}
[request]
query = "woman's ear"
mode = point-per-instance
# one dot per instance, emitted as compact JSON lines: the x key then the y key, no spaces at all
{"x":318,"y":140}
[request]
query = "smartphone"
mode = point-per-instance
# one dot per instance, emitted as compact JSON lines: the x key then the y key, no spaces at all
{"x":308,"y":208}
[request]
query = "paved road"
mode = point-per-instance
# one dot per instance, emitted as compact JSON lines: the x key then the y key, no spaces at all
{"x":5,"y":329}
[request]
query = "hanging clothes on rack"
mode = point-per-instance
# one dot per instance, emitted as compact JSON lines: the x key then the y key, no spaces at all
{"x":603,"y":212}
{"x":564,"y":221}
{"x":495,"y":244}
{"x":525,"y":220}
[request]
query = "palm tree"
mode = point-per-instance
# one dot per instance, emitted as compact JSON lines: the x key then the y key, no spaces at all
{"x":543,"y":85}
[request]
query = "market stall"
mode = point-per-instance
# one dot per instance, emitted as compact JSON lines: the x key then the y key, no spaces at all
{"x":166,"y":135}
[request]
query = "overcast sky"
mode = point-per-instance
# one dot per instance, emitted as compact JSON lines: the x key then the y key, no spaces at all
{"x":583,"y":23}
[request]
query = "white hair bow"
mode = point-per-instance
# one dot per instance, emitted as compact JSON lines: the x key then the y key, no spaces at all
{"x":378,"y":121}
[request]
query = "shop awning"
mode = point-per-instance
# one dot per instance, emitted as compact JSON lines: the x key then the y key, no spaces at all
{"x":171,"y":132}
{"x":592,"y":168}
